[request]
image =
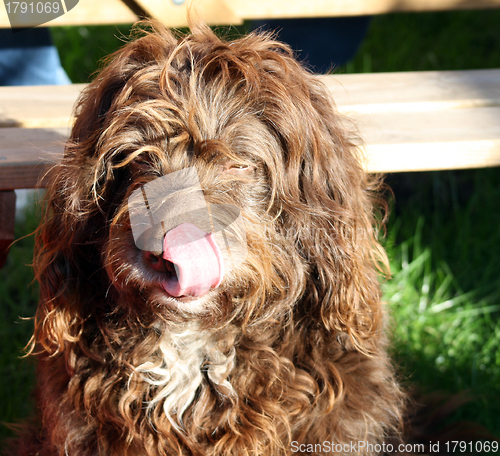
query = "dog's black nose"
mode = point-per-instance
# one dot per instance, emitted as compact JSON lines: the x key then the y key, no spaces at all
{"x":158,"y":263}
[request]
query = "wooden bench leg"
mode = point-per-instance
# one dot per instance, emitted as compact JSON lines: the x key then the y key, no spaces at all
{"x":7,"y":222}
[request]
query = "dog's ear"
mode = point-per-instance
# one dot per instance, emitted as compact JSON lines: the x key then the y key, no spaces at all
{"x":86,"y":188}
{"x":66,"y":257}
{"x":66,"y":265}
{"x":328,"y":210}
{"x":67,"y":262}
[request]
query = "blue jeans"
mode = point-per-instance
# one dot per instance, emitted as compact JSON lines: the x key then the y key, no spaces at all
{"x":29,"y":58}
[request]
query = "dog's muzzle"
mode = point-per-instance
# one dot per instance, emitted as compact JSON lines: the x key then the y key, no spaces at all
{"x":193,"y":243}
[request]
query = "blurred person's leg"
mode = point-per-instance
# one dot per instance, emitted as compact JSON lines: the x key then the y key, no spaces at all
{"x":29,"y":58}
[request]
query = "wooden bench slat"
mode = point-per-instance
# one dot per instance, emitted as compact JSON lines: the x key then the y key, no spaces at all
{"x":37,"y":106}
{"x":26,"y":153}
{"x":299,"y":8}
{"x":411,"y":91}
{"x":396,"y":158}
{"x":424,"y":141}
{"x":220,"y":12}
{"x":235,"y":11}
{"x":27,"y":145}
{"x":468,"y":124}
{"x":213,"y":12}
{"x":49,"y":106}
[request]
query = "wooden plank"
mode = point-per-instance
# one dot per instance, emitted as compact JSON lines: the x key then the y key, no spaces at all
{"x":299,"y":8}
{"x":437,"y":140}
{"x":214,"y":12}
{"x":219,"y":12}
{"x":86,"y":12}
{"x":38,"y":106}
{"x":26,"y":153}
{"x":414,"y":91}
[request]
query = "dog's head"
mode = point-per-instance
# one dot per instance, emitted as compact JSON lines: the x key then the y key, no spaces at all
{"x":208,"y":180}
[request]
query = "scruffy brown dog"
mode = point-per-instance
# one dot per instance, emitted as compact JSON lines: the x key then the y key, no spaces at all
{"x":208,"y":264}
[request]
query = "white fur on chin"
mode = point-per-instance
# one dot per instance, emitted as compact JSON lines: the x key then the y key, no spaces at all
{"x":176,"y":370}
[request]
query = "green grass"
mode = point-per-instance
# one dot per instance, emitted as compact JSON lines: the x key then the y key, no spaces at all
{"x":81,"y":49}
{"x":443,"y":235}
{"x":459,"y":40}
{"x":444,"y":296}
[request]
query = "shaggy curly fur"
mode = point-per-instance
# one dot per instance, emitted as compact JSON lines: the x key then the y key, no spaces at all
{"x":289,"y":349}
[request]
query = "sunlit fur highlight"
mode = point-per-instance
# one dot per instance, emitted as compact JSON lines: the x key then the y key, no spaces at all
{"x":291,"y":345}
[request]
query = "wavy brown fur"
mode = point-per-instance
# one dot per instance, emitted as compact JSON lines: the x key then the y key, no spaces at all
{"x":290,"y":347}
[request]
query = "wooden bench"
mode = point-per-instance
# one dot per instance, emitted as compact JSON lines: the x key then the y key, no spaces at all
{"x":412,"y":121}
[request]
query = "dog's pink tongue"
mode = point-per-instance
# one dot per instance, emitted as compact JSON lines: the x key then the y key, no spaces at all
{"x":197,"y":259}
